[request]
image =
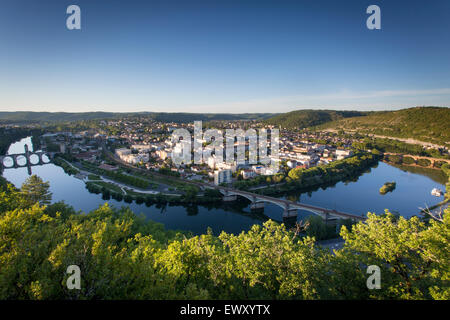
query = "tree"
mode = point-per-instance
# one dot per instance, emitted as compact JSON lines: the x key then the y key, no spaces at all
{"x":124,"y":256}
{"x":413,"y":256}
{"x":34,"y":189}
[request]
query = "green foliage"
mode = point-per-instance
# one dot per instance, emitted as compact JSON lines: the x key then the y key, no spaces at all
{"x":308,"y":118}
{"x":35,"y":190}
{"x":388,"y":187}
{"x":424,"y":162}
{"x":428,"y":124}
{"x":304,"y":178}
{"x":318,"y":229}
{"x":394,"y":158}
{"x":68,"y":117}
{"x":413,"y":257}
{"x":70,"y":170}
{"x":11,"y":135}
{"x":212,"y":193}
{"x":123,"y":256}
{"x":118,"y":176}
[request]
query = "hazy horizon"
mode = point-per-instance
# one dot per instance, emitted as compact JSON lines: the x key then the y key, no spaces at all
{"x":150,"y":111}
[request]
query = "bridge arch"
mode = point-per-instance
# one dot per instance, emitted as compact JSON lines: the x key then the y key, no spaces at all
{"x":8,"y":162}
{"x":231,"y":193}
{"x":21,"y":160}
{"x":288,"y":206}
{"x":34,"y":159}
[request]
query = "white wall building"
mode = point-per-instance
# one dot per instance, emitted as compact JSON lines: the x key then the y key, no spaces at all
{"x":342,"y":154}
{"x":142,"y":147}
{"x":122,"y":152}
{"x":222,"y":176}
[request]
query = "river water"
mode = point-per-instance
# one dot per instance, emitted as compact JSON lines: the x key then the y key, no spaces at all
{"x":358,"y":197}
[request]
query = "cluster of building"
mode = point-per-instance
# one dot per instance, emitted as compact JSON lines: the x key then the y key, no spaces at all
{"x":306,"y":155}
{"x":85,"y":145}
{"x":147,"y":143}
{"x":129,"y":156}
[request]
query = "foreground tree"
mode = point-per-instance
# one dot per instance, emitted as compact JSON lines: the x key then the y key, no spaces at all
{"x":123,"y":256}
{"x":34,"y":189}
{"x":412,"y":254}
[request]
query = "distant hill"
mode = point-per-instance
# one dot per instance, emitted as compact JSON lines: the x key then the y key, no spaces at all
{"x":52,"y":117}
{"x":429,"y":124}
{"x":309,"y":118}
{"x":28,"y":116}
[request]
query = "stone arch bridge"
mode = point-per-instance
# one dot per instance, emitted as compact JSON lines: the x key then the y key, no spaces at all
{"x":14,"y":160}
{"x":415,"y":158}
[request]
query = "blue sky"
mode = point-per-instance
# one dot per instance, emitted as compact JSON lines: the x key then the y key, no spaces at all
{"x":223,"y":56}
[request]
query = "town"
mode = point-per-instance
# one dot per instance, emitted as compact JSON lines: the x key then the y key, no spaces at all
{"x":148,"y":145}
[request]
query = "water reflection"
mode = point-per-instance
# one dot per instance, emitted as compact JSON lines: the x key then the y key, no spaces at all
{"x":357,"y":196}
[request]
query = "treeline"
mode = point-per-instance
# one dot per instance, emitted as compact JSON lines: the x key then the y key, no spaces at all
{"x":65,"y":166}
{"x":117,"y":176}
{"x":307,"y":118}
{"x":67,"y":117}
{"x":300,"y":178}
{"x":11,"y":135}
{"x":166,"y":171}
{"x":321,"y":230}
{"x":190,"y":196}
{"x":422,"y":123}
{"x":122,"y":256}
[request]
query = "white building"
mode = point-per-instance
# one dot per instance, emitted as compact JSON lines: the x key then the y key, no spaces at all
{"x":222,"y":176}
{"x":162,"y":154}
{"x":291,"y":164}
{"x":135,"y":158}
{"x":342,"y":154}
{"x":257,"y":169}
{"x":212,"y":162}
{"x":142,"y":147}
{"x":226,"y":166}
{"x":247,"y":174}
{"x":123,"y":152}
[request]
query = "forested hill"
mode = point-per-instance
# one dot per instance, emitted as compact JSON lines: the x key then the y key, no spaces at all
{"x":29,"y":116}
{"x":309,"y":118}
{"x":52,"y":117}
{"x":429,"y":124}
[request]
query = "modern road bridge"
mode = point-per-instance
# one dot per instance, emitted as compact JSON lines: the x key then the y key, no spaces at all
{"x":257,"y":201}
{"x":290,"y":207}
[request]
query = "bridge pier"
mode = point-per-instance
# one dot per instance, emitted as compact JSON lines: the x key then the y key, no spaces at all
{"x":16,"y":165}
{"x":257,"y":205}
{"x":229,"y":198}
{"x":257,"y":202}
{"x":27,"y":158}
{"x":287,"y":213}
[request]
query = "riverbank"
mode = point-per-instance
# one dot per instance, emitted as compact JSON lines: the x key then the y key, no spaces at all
{"x":120,"y":191}
{"x":306,"y":180}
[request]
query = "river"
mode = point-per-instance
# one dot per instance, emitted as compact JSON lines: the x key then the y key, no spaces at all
{"x":359,"y":196}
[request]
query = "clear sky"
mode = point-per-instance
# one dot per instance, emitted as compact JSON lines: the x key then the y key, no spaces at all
{"x":223,"y":55}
